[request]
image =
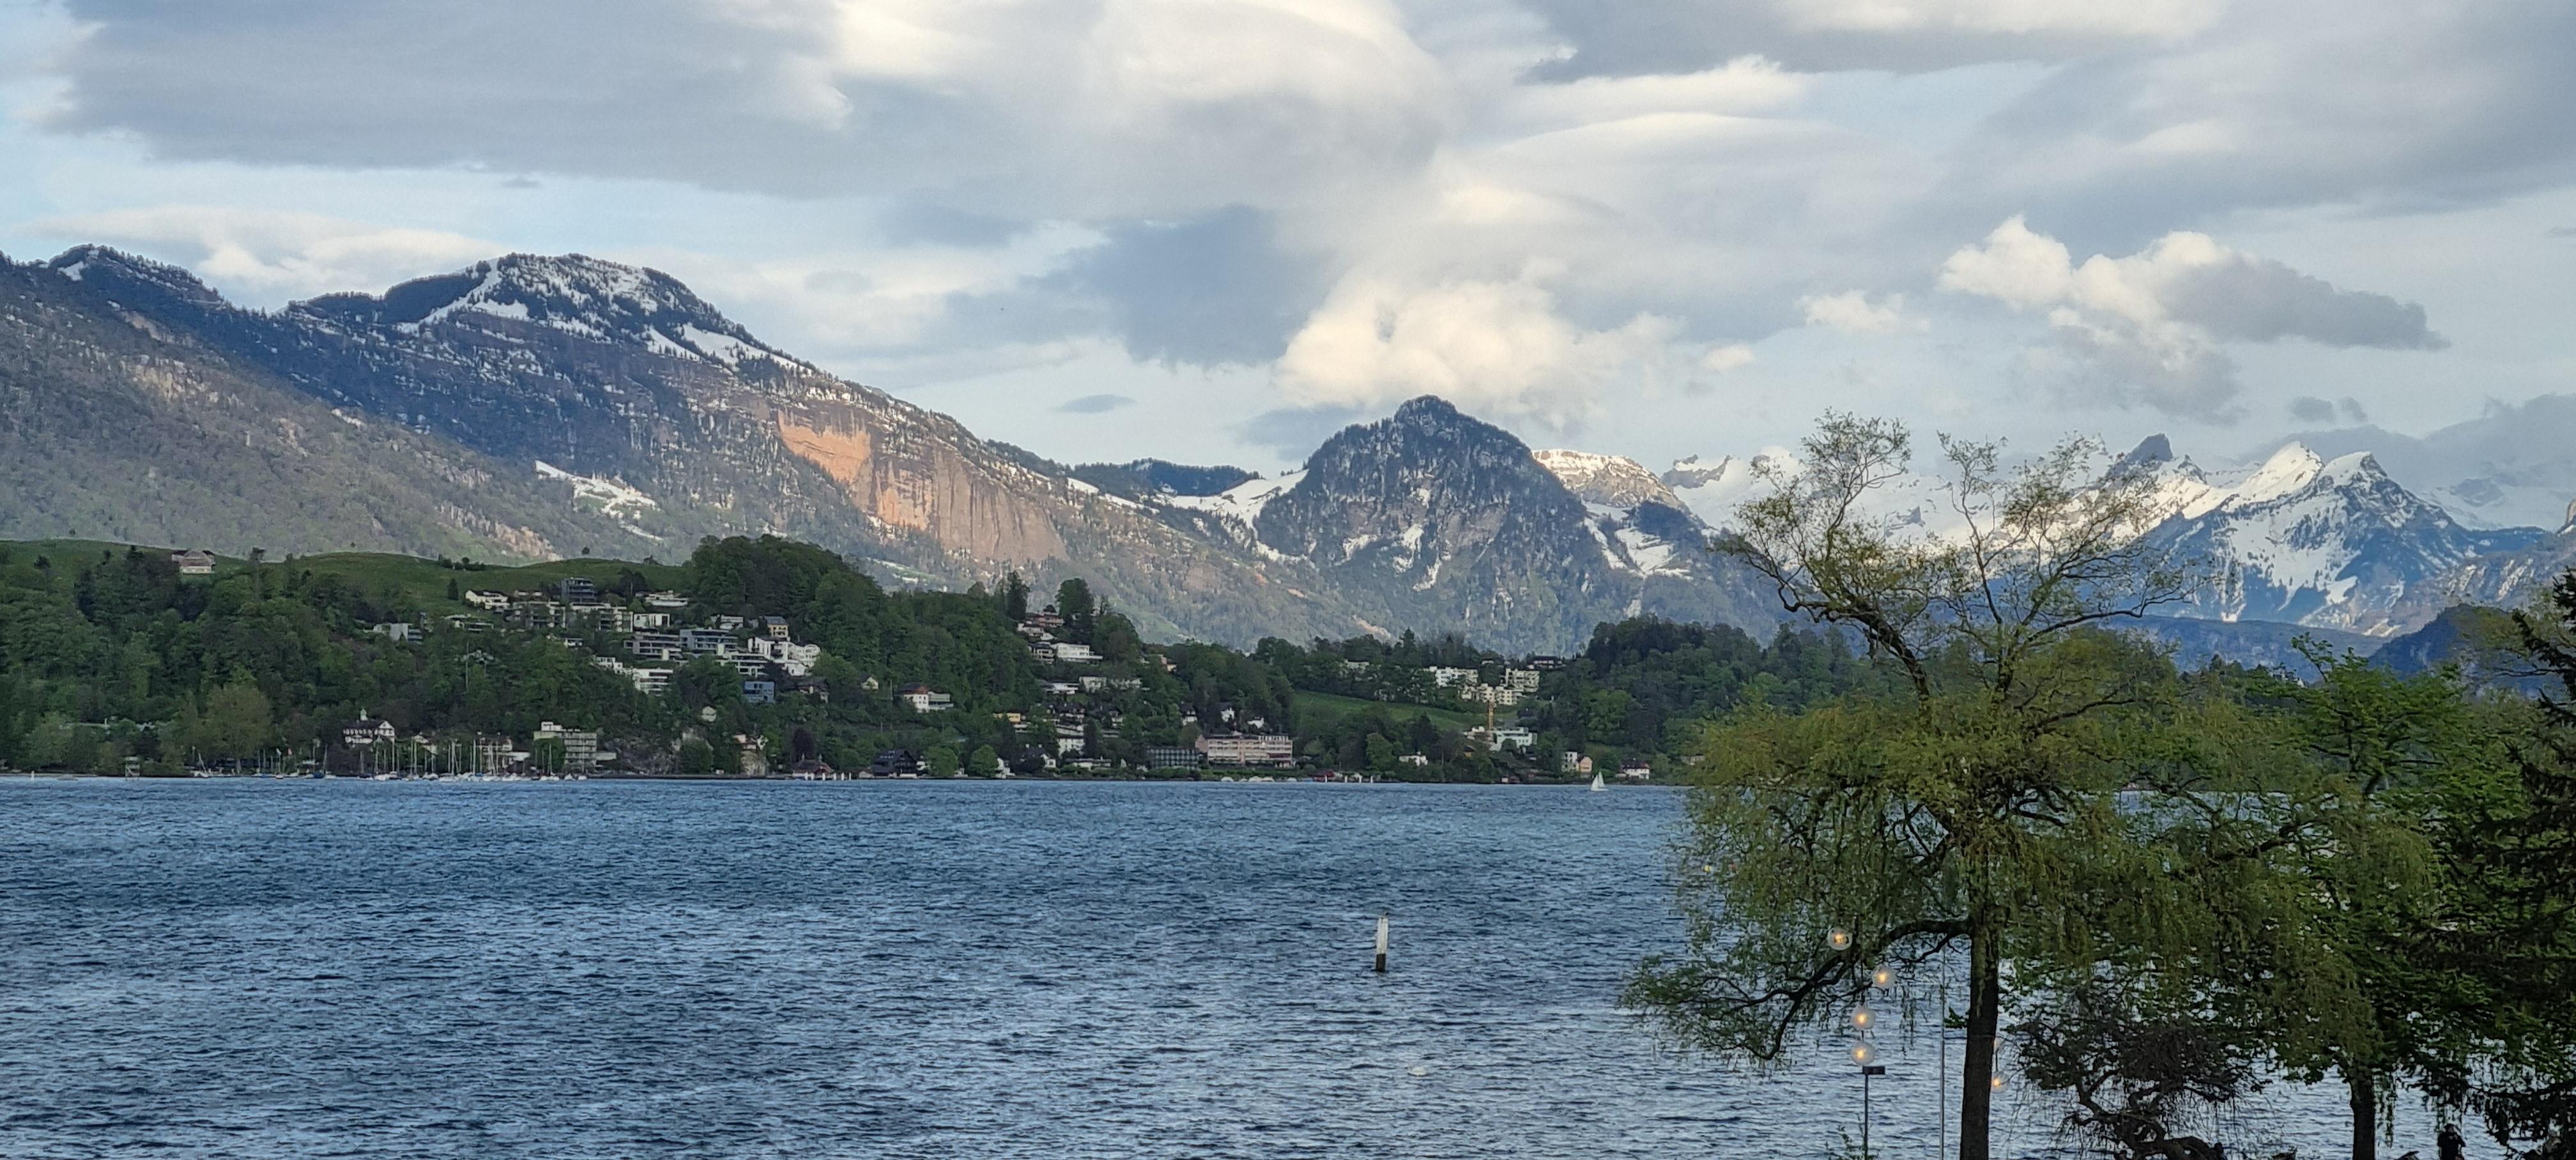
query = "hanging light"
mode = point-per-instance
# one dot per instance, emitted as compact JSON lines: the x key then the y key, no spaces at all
{"x":1995,"y":1083}
{"x":1864,"y":1053}
{"x":1883,"y":978}
{"x":1863,"y":1018}
{"x":1838,"y":938}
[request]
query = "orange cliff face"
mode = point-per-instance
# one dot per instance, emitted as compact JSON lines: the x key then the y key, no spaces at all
{"x":923,"y":485}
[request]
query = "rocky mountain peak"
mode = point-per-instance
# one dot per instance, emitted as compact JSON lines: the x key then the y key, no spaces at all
{"x":135,"y":280}
{"x":2153,"y":450}
{"x":576,"y":294}
{"x":1422,"y":482}
{"x":1610,"y":480}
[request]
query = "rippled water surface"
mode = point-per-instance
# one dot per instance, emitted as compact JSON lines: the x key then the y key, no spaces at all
{"x":870,"y":969}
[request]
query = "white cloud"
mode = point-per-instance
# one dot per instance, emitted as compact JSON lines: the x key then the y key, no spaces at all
{"x":1497,"y":348}
{"x":2131,"y":18}
{"x":2148,"y":328}
{"x":1558,"y":180}
{"x":266,"y":258}
{"x":1851,"y":312}
{"x":1733,"y":356}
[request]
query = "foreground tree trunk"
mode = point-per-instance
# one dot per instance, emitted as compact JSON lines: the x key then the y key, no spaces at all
{"x":2365,"y":1114}
{"x":1976,"y":1078}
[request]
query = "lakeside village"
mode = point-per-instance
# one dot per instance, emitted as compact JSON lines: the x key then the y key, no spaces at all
{"x":772,"y":659}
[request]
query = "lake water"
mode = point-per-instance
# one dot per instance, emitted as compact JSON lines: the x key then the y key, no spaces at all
{"x":933,"y":969}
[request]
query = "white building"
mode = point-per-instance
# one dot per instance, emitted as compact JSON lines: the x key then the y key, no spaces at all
{"x":580,"y":746}
{"x":1511,"y":735}
{"x":1066,"y":652}
{"x":797,"y":660}
{"x":405,"y":633}
{"x":488,"y":601}
{"x":1265,"y":749}
{"x":924,"y":699}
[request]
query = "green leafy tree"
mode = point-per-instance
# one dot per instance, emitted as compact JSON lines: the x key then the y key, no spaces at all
{"x":1015,"y":598}
{"x":1073,"y":602}
{"x":2394,"y":754}
{"x":237,"y":721}
{"x":1976,"y":810}
{"x":983,"y":761}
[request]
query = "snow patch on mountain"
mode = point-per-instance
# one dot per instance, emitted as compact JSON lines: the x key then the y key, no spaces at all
{"x":1243,"y":501}
{"x":1608,"y":479}
{"x":612,"y":495}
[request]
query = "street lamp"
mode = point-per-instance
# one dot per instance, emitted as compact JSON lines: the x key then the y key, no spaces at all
{"x":1839,"y":939}
{"x":1866,"y":1055}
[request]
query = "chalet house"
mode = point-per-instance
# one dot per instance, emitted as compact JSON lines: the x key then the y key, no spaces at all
{"x":366,"y":731}
{"x":194,"y":562}
{"x":1635,"y":771}
{"x":774,"y":627}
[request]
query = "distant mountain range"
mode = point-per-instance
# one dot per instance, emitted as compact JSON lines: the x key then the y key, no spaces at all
{"x":536,"y":406}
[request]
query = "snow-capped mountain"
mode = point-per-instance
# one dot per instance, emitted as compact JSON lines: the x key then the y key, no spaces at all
{"x":531,"y":406}
{"x":1640,"y":524}
{"x":2299,"y":538}
{"x":2296,"y":538}
{"x":644,"y":411}
{"x":574,"y":293}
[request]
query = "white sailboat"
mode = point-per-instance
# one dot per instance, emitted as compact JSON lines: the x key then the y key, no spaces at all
{"x":1597,"y":784}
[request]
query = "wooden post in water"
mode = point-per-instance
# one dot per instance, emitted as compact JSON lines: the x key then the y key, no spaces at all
{"x":1381,"y":944}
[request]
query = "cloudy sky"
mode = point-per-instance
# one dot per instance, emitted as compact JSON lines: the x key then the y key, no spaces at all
{"x":1215,"y":229}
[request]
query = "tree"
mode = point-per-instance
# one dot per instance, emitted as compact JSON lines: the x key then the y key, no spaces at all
{"x":2509,"y":948}
{"x":2136,"y":1076}
{"x":1073,"y":603}
{"x":1015,"y":598}
{"x":237,"y":721}
{"x":1976,"y":808}
{"x":983,"y":762}
{"x":2394,"y":754}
